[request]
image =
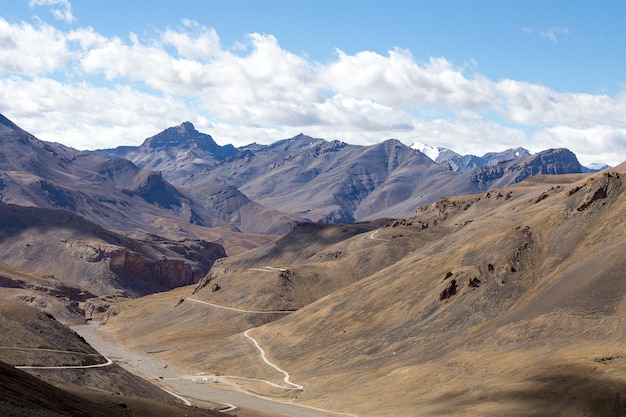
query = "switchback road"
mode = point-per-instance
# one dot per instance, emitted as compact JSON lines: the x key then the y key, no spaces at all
{"x":186,"y":384}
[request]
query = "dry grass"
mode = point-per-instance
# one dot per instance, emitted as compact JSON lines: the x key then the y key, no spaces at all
{"x":540,"y":332}
{"x":31,"y":337}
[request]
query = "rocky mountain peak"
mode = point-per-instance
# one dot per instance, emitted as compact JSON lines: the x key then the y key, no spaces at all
{"x":185,"y":134}
{"x":548,"y":162}
{"x":463,"y":163}
{"x":187,"y":127}
{"x":184,"y":137}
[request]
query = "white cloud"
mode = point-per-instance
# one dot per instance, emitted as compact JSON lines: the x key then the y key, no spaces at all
{"x":597,"y":143}
{"x":118,"y":90}
{"x":398,"y":80}
{"x":198,"y":43}
{"x":150,"y":64}
{"x":61,"y":9}
{"x":554,"y":34}
{"x":84,"y":116}
{"x":30,"y":50}
{"x":536,"y":105}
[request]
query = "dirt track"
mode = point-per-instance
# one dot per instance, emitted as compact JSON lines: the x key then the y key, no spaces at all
{"x":182,"y":382}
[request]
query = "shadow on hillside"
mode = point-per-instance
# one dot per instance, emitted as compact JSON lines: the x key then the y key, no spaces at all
{"x":567,"y":390}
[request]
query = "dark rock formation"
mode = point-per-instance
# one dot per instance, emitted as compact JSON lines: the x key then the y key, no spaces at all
{"x":449,"y":291}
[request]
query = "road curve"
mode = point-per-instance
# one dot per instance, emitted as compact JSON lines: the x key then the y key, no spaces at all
{"x":286,"y":378}
{"x":109,"y":362}
{"x":240,"y":310}
{"x":373,"y":236}
{"x":180,"y":397}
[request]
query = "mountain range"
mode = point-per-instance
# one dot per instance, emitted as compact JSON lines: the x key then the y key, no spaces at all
{"x":341,"y":279}
{"x":332,"y":181}
{"x":125,"y":229}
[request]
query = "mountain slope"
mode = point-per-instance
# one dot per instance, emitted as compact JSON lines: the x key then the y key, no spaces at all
{"x":85,"y":256}
{"x":508,"y":302}
{"x":232,"y":207}
{"x":502,"y":174}
{"x":29,"y":337}
{"x":114,"y":193}
{"x":327,"y":181}
{"x":48,"y":175}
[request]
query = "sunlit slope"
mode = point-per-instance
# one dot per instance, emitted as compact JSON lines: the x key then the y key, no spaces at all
{"x":506,"y":303}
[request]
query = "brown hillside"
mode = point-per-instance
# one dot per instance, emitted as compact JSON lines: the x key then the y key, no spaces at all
{"x":83,"y":255}
{"x":30,"y":337}
{"x":506,"y":303}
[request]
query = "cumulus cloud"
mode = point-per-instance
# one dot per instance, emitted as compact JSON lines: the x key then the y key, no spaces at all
{"x":61,"y":9}
{"x":120,"y":90}
{"x":194,"y":42}
{"x":599,"y":143}
{"x":398,"y":80}
{"x":85,"y":116}
{"x":536,"y":105}
{"x":30,"y":50}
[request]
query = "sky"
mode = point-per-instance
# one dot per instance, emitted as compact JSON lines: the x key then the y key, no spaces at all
{"x":473,"y":76}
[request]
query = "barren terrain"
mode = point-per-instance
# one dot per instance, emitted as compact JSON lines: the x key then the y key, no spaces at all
{"x":60,"y":374}
{"x":506,"y":303}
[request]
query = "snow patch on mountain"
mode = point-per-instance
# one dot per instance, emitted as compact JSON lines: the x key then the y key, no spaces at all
{"x":427,"y":150}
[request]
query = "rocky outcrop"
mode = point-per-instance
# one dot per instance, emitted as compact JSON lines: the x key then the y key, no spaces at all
{"x":58,"y":290}
{"x":449,"y":290}
{"x":164,"y":273}
{"x":597,"y":189}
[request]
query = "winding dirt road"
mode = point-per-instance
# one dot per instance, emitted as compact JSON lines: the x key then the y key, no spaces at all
{"x":240,"y":310}
{"x":190,"y":386}
{"x":100,"y":365}
{"x":290,"y":385}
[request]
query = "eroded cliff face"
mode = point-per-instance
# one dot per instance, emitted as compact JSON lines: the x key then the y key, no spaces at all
{"x":164,"y":273}
{"x":139,"y":267}
{"x":61,"y":247}
{"x":77,"y":279}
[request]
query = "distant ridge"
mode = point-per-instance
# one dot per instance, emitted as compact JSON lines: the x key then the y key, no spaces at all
{"x":463,"y":163}
{"x":183,"y":175}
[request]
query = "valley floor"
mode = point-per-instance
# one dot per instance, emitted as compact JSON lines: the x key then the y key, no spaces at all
{"x":190,"y":386}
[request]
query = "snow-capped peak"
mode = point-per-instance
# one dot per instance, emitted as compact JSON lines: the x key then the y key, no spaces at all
{"x":428,"y":150}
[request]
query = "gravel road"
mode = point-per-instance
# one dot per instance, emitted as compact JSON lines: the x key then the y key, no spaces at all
{"x":179,"y":380}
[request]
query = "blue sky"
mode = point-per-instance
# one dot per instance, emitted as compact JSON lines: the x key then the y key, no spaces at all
{"x":474,"y":76}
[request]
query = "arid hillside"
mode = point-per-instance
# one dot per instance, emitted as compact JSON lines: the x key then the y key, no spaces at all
{"x":510,"y":302}
{"x":63,"y":247}
{"x":29,"y":337}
